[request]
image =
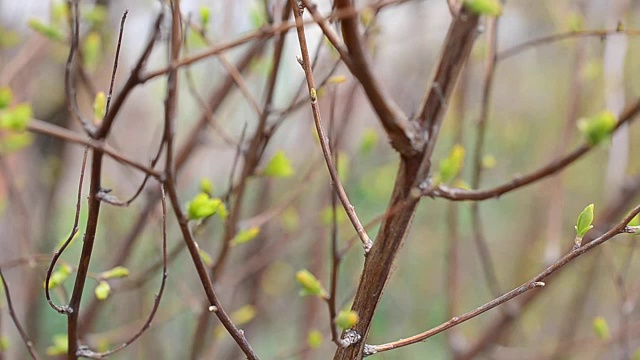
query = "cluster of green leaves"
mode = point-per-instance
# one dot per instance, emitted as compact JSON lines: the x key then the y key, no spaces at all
{"x":598,"y":127}
{"x":14,"y":119}
{"x":246,"y":235}
{"x":484,"y":7}
{"x":59,"y":276}
{"x":60,"y":345}
{"x":450,"y":166}
{"x":310,"y":284}
{"x":203,"y":206}
{"x":278,"y":166}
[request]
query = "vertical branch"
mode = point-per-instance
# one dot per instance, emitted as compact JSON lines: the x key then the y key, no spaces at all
{"x":478,"y":151}
{"x":324,"y":143}
{"x":169,"y":181}
{"x":454,"y":336}
{"x":411,"y":174}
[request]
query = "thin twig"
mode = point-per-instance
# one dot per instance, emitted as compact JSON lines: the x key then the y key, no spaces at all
{"x":553,"y":167}
{"x":333,"y":172}
{"x":68,"y":75}
{"x":169,"y":181}
{"x":488,"y":267}
{"x":74,"y":231}
{"x":14,"y":317}
{"x":535,"y":282}
{"x":505,"y":54}
{"x":85,"y":352}
{"x":45,"y":128}
{"x":116,"y":58}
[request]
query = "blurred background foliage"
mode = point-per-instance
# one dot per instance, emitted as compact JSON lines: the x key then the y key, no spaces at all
{"x":529,"y":109}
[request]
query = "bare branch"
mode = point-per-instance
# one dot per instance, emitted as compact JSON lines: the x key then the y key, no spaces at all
{"x":16,"y":322}
{"x":535,"y":282}
{"x":335,"y":179}
{"x":553,"y":167}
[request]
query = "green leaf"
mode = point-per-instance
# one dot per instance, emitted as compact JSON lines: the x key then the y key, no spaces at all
{"x":367,"y":16}
{"x":598,"y":127}
{"x":601,"y":328}
{"x":575,"y":21}
{"x":92,"y":50}
{"x":326,"y":215}
{"x":450,"y":167}
{"x":258,"y":17}
{"x":489,"y":161}
{"x":337,"y":79}
{"x":60,"y":345}
{"x":314,"y":339}
{"x":584,"y":221}
{"x":99,"y":106}
{"x":243,"y":315}
{"x":203,"y":206}
{"x":635,"y":221}
{"x":8,"y":38}
{"x":346,"y":319}
{"x":279,"y":166}
{"x":4,"y":343}
{"x":6,"y":97}
{"x":310,"y":285}
{"x":206,"y":186}
{"x":245,"y":236}
{"x":636,"y":355}
{"x":239,"y":317}
{"x":343,"y":166}
{"x":206,"y":258}
{"x":103,"y":290}
{"x":45,"y":30}
{"x":96,"y":16}
{"x":290,"y":220}
{"x":484,"y":7}
{"x":116,"y":272}
{"x":369,"y":140}
{"x":17,"y":118}
{"x":14,"y":142}
{"x":205,"y":16}
{"x":58,"y":277}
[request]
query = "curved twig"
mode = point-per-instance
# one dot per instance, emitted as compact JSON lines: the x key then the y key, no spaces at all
{"x":74,"y":231}
{"x":85,"y":352}
{"x":68,"y":73}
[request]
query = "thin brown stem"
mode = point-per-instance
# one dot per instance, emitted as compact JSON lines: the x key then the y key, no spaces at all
{"x":85,"y":352}
{"x":16,"y":321}
{"x":553,"y":167}
{"x":324,"y":143}
{"x":535,"y":282}
{"x":74,"y":231}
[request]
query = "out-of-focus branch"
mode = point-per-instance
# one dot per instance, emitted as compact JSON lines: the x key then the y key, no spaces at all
{"x":477,"y":225}
{"x":16,"y":322}
{"x":505,"y":54}
{"x":45,"y":128}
